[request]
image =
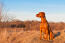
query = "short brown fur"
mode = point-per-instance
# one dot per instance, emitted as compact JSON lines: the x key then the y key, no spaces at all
{"x":44,"y":27}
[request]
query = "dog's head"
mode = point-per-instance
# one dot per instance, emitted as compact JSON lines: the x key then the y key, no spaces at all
{"x":40,"y":14}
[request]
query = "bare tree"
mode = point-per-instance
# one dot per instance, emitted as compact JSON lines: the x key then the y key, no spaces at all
{"x":4,"y":16}
{"x":7,"y":18}
{"x":1,"y":5}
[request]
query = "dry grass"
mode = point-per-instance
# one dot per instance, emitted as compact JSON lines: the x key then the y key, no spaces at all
{"x":9,"y":35}
{"x":30,"y":33}
{"x":31,"y":25}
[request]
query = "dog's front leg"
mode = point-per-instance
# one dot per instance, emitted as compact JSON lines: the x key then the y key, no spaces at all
{"x":40,"y":33}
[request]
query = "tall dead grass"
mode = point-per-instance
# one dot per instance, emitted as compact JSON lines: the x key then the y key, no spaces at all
{"x":28,"y":32}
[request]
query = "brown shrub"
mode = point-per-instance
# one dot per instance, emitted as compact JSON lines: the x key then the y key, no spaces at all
{"x":31,"y":25}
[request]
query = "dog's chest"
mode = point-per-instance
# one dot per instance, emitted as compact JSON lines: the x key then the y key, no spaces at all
{"x":43,"y":24}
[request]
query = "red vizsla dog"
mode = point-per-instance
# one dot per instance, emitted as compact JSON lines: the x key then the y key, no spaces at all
{"x":44,"y":27}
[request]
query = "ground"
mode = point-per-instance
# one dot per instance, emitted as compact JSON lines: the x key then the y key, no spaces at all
{"x":21,"y":36}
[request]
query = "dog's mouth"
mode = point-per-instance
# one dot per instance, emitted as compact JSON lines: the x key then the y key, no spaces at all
{"x":37,"y":15}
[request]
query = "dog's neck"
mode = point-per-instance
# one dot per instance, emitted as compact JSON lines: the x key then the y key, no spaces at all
{"x":43,"y":20}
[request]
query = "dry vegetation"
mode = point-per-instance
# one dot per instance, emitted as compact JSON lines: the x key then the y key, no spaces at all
{"x":28,"y":32}
{"x":31,"y":25}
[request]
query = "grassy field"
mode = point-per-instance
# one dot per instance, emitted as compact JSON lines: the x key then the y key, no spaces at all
{"x":17,"y":35}
{"x":30,"y":32}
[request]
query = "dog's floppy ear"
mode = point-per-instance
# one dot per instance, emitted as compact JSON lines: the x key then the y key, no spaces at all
{"x":43,"y":16}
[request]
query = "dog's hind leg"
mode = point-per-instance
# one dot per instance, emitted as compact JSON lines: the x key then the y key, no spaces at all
{"x":51,"y":36}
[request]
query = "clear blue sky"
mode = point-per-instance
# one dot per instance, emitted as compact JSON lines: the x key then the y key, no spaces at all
{"x":27,"y":9}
